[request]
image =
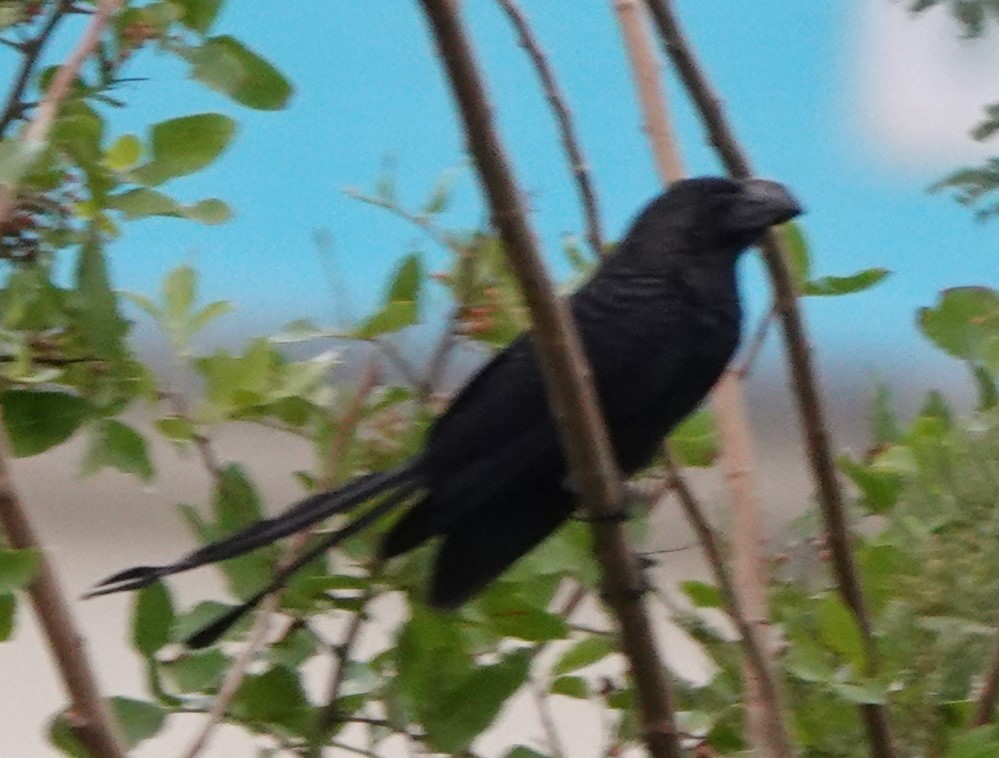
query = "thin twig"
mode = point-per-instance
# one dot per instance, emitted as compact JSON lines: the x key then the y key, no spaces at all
{"x":419,"y":220}
{"x":578,"y":164}
{"x":755,"y":344}
{"x":554,"y":746}
{"x":236,"y":673}
{"x":347,"y":428}
{"x":749,"y":639}
{"x":257,"y":637}
{"x":645,"y":70}
{"x":570,"y":393}
{"x":202,"y":443}
{"x":31,"y":49}
{"x":41,"y":123}
{"x":89,"y":714}
{"x":329,"y":714}
{"x":437,"y":364}
{"x":875,"y":717}
{"x":986,"y":703}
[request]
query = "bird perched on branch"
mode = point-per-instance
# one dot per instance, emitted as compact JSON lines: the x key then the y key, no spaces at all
{"x":659,"y":320}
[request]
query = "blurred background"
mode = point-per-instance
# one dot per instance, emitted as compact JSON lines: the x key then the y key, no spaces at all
{"x":856,"y":105}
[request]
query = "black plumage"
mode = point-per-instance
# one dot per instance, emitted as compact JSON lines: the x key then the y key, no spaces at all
{"x":658,"y":321}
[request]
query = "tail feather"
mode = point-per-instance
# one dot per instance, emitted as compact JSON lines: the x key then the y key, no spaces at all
{"x":209,"y":633}
{"x":296,"y":518}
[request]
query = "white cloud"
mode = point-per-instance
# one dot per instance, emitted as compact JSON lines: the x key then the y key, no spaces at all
{"x":917,"y":87}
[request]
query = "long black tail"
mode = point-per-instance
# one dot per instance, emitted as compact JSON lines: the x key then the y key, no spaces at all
{"x":400,"y":482}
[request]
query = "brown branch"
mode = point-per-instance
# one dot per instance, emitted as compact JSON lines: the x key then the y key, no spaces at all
{"x":236,"y":673}
{"x":554,"y":742}
{"x":761,"y":668}
{"x":986,"y":704}
{"x":755,"y":344}
{"x":90,"y":716}
{"x":875,"y":717}
{"x":645,"y":70}
{"x":41,"y":123}
{"x":578,"y":164}
{"x":570,"y":392}
{"x":349,"y":421}
{"x":767,"y":727}
{"x":31,"y":50}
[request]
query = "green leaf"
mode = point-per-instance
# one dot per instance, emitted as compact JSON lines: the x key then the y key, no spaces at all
{"x":17,"y":568}
{"x":965,"y":323}
{"x":198,"y":670}
{"x":520,"y":620}
{"x":176,"y":429}
{"x":144,"y":202}
{"x":571,"y":686}
{"x":584,"y":653}
{"x":466,"y":711}
{"x":884,"y":425}
{"x":138,"y":719}
{"x":980,"y":742}
{"x":702,"y":594}
{"x":35,"y":420}
{"x":796,"y":248}
{"x":199,"y":15}
{"x":843,"y":285}
{"x":988,"y":395}
{"x":124,"y":153}
{"x":179,"y":291}
{"x":401,"y":306}
{"x":204,"y":613}
{"x":103,"y":328}
{"x":807,"y":662}
{"x":838,"y":630}
{"x":695,"y":441}
{"x":870,"y":693}
{"x":879,"y":487}
{"x":118,"y":446}
{"x":270,"y":697}
{"x":17,"y":158}
{"x":152,"y":619}
{"x":184,"y":145}
{"x":226,"y":65}
{"x":8,"y":614}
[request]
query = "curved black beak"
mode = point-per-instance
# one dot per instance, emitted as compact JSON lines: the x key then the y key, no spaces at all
{"x":763,"y":203}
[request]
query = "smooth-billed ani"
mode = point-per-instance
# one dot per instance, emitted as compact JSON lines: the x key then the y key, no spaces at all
{"x":659,"y":320}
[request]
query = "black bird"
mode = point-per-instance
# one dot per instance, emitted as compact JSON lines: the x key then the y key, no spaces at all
{"x":659,"y":321}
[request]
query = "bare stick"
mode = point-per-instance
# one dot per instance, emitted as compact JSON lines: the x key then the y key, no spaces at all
{"x":91,"y":718}
{"x":41,"y":123}
{"x":755,"y":344}
{"x":236,"y":673}
{"x":806,"y":391}
{"x":31,"y":49}
{"x":554,"y":745}
{"x":567,"y":380}
{"x":89,"y":714}
{"x":767,"y":727}
{"x":578,"y":164}
{"x":645,"y":70}
{"x":761,"y":668}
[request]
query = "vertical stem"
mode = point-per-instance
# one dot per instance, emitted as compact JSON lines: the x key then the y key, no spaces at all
{"x":89,"y":714}
{"x":648,"y":83}
{"x":567,"y":381}
{"x":806,"y":392}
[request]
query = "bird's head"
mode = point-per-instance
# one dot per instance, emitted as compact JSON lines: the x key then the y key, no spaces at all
{"x":715,"y":214}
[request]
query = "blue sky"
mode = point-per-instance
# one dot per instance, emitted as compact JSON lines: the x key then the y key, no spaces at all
{"x":368,"y":85}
